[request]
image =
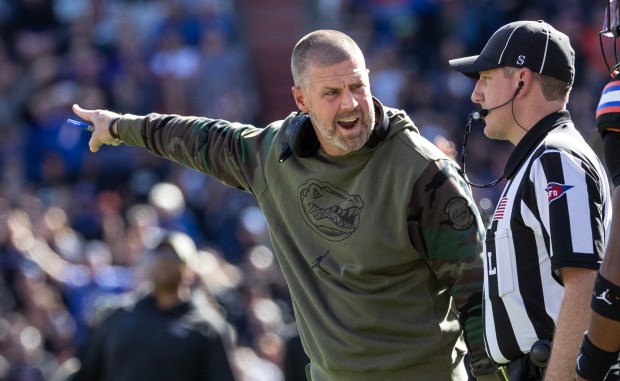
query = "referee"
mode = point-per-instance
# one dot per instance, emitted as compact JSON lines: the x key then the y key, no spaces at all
{"x":547,"y":236}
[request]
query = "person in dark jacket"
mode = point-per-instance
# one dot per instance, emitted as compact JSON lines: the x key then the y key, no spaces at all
{"x":165,"y":333}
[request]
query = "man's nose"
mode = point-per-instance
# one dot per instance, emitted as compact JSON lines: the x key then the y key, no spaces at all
{"x":476,"y":95}
{"x":348,"y":100}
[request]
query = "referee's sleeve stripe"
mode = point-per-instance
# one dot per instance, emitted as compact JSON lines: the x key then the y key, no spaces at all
{"x":578,"y":206}
{"x":559,"y":218}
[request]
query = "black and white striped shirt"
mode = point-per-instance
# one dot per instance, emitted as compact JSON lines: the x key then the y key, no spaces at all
{"x":554,"y":212}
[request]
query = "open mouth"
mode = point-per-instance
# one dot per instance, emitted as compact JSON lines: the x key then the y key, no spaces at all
{"x":348,"y":123}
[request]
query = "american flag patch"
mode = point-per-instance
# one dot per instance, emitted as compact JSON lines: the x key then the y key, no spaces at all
{"x":610,"y":99}
{"x":555,"y":190}
{"x":501,"y":209}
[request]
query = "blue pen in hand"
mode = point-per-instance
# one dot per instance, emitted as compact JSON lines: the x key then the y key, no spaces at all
{"x":76,"y":123}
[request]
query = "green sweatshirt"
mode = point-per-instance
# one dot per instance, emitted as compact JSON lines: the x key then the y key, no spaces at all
{"x":381,"y":248}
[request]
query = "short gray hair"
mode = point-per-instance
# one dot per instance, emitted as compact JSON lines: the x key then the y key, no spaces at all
{"x":321,"y":48}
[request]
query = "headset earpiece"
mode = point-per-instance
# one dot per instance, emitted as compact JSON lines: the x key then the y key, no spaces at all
{"x":519,"y":86}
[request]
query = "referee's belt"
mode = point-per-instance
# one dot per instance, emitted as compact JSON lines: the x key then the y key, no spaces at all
{"x":529,"y":367}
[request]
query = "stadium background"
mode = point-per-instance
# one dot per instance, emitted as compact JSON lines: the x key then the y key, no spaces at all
{"x":72,"y":221}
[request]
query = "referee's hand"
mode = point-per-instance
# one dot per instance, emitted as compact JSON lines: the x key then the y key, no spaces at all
{"x":101,"y":120}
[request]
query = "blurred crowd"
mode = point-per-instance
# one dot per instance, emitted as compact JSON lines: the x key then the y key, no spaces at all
{"x":74,"y":225}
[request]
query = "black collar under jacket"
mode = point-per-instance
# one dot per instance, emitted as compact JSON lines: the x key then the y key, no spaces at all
{"x":532,"y":138}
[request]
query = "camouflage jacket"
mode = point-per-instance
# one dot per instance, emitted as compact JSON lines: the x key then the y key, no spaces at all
{"x":381,"y":248}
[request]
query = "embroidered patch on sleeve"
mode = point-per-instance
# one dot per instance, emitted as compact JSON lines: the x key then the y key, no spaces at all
{"x":459,"y":214}
{"x":555,"y":191}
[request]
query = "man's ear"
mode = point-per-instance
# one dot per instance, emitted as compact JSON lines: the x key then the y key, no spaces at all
{"x":300,"y":99}
{"x":525,"y":79}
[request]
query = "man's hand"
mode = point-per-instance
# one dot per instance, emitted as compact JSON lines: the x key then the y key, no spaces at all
{"x":101,"y":121}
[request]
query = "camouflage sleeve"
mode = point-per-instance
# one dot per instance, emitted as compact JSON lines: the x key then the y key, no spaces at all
{"x":448,"y":232}
{"x":225,"y":150}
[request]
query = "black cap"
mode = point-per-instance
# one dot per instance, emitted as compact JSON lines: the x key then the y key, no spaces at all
{"x":532,"y":44}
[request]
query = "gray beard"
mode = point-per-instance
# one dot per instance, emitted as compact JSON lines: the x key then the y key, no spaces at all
{"x":349,"y":144}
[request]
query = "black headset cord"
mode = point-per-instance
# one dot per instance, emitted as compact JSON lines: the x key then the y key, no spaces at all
{"x":463,"y":153}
